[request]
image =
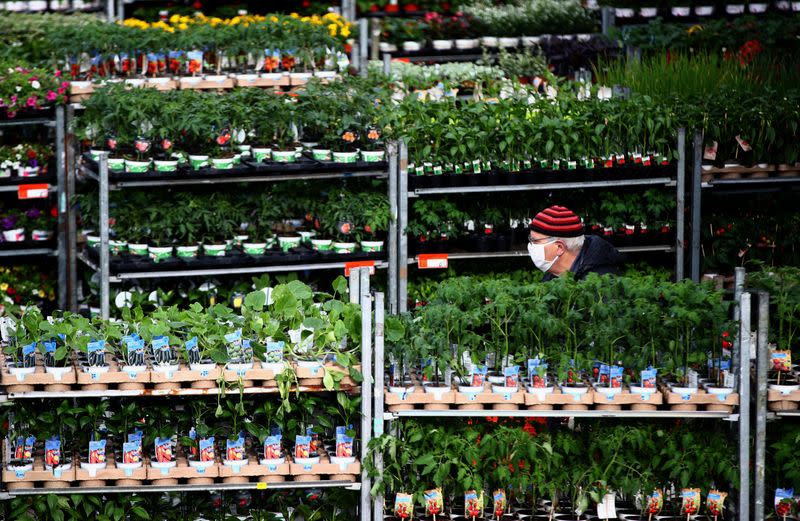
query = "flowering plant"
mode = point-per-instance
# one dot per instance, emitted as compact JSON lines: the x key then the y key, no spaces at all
{"x":22,"y":88}
{"x":41,"y":219}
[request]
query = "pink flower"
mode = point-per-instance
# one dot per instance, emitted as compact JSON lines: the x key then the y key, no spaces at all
{"x":11,"y":114}
{"x":58,"y":74}
{"x":31,"y":101}
{"x":51,"y":96}
{"x":13,"y":100}
{"x":64,"y":84}
{"x":61,"y":90}
{"x":2,"y":102}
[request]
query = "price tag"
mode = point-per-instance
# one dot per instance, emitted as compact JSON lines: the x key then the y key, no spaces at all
{"x":35,"y":191}
{"x":432,"y":261}
{"x":261,"y":486}
{"x":359,"y":264}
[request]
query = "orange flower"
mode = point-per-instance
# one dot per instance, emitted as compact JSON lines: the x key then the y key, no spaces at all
{"x":349,"y":136}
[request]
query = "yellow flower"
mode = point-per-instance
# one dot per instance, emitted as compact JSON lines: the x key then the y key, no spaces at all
{"x":41,"y":294}
{"x":51,"y":296}
{"x":332,"y":28}
{"x":183,"y":26}
{"x":174,"y":18}
{"x":3,"y":286}
{"x":273,"y":18}
{"x":345,"y":31}
{"x":294,"y":15}
{"x":693,"y":29}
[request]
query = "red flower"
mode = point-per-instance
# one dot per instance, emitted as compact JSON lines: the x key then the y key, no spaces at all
{"x":54,"y":212}
{"x":11,"y":291}
{"x":31,"y":153}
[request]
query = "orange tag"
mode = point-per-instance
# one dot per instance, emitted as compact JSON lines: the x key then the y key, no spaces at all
{"x":359,"y":264}
{"x":432,"y":261}
{"x":37,"y":191}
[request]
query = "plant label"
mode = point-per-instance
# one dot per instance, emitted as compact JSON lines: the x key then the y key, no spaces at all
{"x":52,"y":453}
{"x":473,"y":504}
{"x":784,"y":501}
{"x":433,"y":261}
{"x":655,"y":502}
{"x":691,"y":378}
{"x":715,"y":502}
{"x":743,"y":144}
{"x":710,"y":151}
{"x":690,"y":501}
{"x":781,"y":361}
{"x":33,"y":191}
{"x":359,"y":264}
{"x":607,"y":508}
{"x":403,"y":506}
{"x":434,"y":502}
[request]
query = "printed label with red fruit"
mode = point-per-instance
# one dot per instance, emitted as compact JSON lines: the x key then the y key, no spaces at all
{"x":500,"y":501}
{"x":511,"y":375}
{"x":784,"y":502}
{"x":655,"y":502}
{"x":272,"y":447}
{"x":52,"y":452}
{"x":234,"y":450}
{"x":478,"y":376}
{"x":649,"y":378}
{"x":302,"y":447}
{"x":97,"y":452}
{"x":434,"y":502}
{"x":164,"y":450}
{"x":616,"y":376}
{"x":710,"y":151}
{"x":715,"y":503}
{"x":344,"y":446}
{"x":537,"y":372}
{"x":781,"y":361}
{"x":206,"y":447}
{"x":690,"y":501}
{"x":473,"y":505}
{"x":403,"y":506}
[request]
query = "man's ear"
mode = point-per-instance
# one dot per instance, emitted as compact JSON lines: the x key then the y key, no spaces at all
{"x":561,"y":248}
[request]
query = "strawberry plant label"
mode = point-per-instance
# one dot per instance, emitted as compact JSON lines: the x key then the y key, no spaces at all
{"x":97,"y":452}
{"x":473,"y":505}
{"x":655,"y":502}
{"x":434,"y":502}
{"x":648,"y":378}
{"x":784,"y":502}
{"x":690,"y":502}
{"x":403,"y":506}
{"x":511,"y":375}
{"x":499,"y":502}
{"x":478,"y":376}
{"x":715,"y":503}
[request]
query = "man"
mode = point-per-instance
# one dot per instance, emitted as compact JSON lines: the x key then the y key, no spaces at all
{"x":557,"y":245}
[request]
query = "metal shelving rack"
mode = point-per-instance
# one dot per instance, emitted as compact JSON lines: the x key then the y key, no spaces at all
{"x":399,"y":196}
{"x":105,"y":185}
{"x":741,"y":358}
{"x":57,"y":123}
{"x":359,"y":292}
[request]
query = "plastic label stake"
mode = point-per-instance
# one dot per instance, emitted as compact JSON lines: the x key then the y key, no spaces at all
{"x":432,"y":261}
{"x":34,"y":191}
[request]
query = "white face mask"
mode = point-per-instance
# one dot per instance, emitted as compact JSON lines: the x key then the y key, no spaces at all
{"x":537,"y":254}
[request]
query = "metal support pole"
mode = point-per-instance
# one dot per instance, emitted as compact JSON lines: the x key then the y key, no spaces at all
{"x":387,"y":64}
{"x":119,"y":13}
{"x":72,"y":225}
{"x":393,"y":267}
{"x":61,"y":182}
{"x":366,"y":389}
{"x":696,"y":205}
{"x":375,"y":39}
{"x":355,"y":280}
{"x":104,"y":272}
{"x":762,"y":360}
{"x":744,"y":407}
{"x":738,"y":289}
{"x":680,"y":189}
{"x":363,"y":43}
{"x":110,"y":10}
{"x":402,"y":243}
{"x":607,"y":19}
{"x":377,"y":505}
{"x":355,"y":60}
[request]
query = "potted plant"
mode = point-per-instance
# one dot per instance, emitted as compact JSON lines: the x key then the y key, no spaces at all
{"x":285,"y":150}
{"x":199,"y":441}
{"x":41,"y":223}
{"x":94,"y":444}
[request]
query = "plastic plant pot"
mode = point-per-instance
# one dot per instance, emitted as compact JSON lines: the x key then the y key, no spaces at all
{"x":166,"y":166}
{"x":254,"y":248}
{"x":117,"y":247}
{"x":287,"y":243}
{"x":159,"y":253}
{"x":372,"y":246}
{"x":345,"y":157}
{"x":137,"y":167}
{"x":261,"y":154}
{"x":321,"y":244}
{"x":321,"y":154}
{"x":214,"y":250}
{"x":187,"y":252}
{"x":42,"y":235}
{"x":137,"y":249}
{"x":372,"y":156}
{"x":198,"y":162}
{"x":225,"y":163}
{"x":284,"y":156}
{"x":344,"y":247}
{"x":116,"y":164}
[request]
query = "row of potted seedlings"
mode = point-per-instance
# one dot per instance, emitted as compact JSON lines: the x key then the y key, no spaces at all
{"x":514,"y":469}
{"x":314,"y":341}
{"x":125,"y":444}
{"x":24,"y":160}
{"x":607,"y":355}
{"x":145,"y":130}
{"x":704,"y":10}
{"x":35,"y":224}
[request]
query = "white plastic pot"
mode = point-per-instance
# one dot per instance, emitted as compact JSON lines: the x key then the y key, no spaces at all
{"x":57,"y":372}
{"x":159,"y":253}
{"x":204,"y":370}
{"x":757,"y":8}
{"x":197,"y":464}
{"x":287,"y":243}
{"x":505,"y":43}
{"x":734,"y":8}
{"x":116,"y":164}
{"x":254,"y":248}
{"x":704,"y":10}
{"x":224,"y":163}
{"x":489,"y":41}
{"x":284,"y":156}
{"x":436,"y":391}
{"x":306,"y":236}
{"x":373,"y":156}
{"x":387,"y":47}
{"x":42,"y":235}
{"x":15,"y":235}
{"x":345,"y":157}
{"x":261,"y":154}
{"x":442,"y":45}
{"x":198,"y":161}
{"x":784,"y":389}
{"x":624,"y":12}
{"x":467,"y":43}
{"x":214,"y":250}
{"x":321,"y":244}
{"x":117,"y":247}
{"x":321,"y":154}
{"x":530,"y":41}
{"x":344,"y":247}
{"x":137,"y":167}
{"x":137,"y":249}
{"x":648,"y":12}
{"x":166,"y":166}
{"x":28,"y":171}
{"x":188,"y":251}
{"x":412,"y":46}
{"x":371,"y":246}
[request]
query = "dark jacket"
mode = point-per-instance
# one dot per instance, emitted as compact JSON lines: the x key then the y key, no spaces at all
{"x":596,"y":256}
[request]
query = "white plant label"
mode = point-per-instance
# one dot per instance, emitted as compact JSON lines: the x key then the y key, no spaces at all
{"x":691,"y":376}
{"x":607,"y":509}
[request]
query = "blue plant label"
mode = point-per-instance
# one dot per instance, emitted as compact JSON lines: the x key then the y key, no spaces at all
{"x":97,"y":452}
{"x":241,"y":372}
{"x":272,"y":468}
{"x":234,"y":337}
{"x":49,"y":347}
{"x":472,"y":396}
{"x":163,"y":447}
{"x":234,"y":450}
{"x":135,"y":436}
{"x":52,"y":453}
{"x":57,"y":472}
{"x":203,"y":373}
{"x":302,"y":447}
{"x":649,"y":378}
{"x":128,"y":472}
{"x":478,"y":376}
{"x":29,"y":349}
{"x":615,"y":373}
{"x":20,"y":474}
{"x":511,"y":375}
{"x":195,"y":61}
{"x":132,"y":452}
{"x":165,"y":471}
{"x":307,"y":466}
{"x":274,"y":352}
{"x":315,"y":370}
{"x":160,"y":342}
{"x":344,"y":446}
{"x":275,"y":430}
{"x":95,"y":375}
{"x":96,"y":346}
{"x":272,"y":447}
{"x":191,"y":343}
{"x":686,"y":397}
